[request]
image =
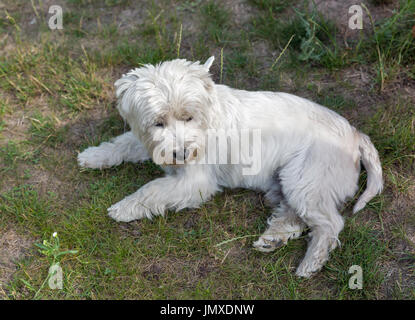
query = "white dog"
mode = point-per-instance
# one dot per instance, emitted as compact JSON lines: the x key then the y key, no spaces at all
{"x":309,"y":156}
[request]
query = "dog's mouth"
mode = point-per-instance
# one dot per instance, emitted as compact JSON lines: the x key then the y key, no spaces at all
{"x":186,"y":156}
{"x":180,"y":157}
{"x":191,"y":155}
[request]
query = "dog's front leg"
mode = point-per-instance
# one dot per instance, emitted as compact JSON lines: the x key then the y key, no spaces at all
{"x":187,"y":189}
{"x":125,"y":147}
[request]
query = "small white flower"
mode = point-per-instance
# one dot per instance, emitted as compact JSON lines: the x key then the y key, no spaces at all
{"x":55,"y":234}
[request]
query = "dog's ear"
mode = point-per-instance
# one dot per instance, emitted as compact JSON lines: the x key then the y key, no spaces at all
{"x":208,"y":63}
{"x":121,"y":86}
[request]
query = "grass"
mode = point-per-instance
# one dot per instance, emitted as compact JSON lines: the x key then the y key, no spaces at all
{"x":394,"y":43}
{"x":216,"y":21}
{"x":273,"y":6}
{"x":370,"y":249}
{"x":56,"y":98}
{"x":42,"y":70}
{"x":397,"y":145}
{"x":313,"y":35}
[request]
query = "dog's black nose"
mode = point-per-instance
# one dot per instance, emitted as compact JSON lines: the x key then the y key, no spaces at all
{"x":180,"y":155}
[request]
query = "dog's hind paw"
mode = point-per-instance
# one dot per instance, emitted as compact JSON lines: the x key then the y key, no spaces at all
{"x":310,"y":266}
{"x":307,"y":271}
{"x":267,"y":244}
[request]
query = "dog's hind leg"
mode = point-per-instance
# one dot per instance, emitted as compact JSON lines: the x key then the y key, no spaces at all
{"x":125,"y":147}
{"x":315,"y":183}
{"x":324,"y":238}
{"x":283,"y":225}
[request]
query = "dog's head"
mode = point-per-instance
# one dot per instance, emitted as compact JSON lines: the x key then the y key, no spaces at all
{"x":168,"y":107}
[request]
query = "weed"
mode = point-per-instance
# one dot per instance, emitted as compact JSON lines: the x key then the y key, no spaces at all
{"x":51,"y":249}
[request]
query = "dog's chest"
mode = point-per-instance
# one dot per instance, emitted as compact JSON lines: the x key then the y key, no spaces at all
{"x":231,"y":176}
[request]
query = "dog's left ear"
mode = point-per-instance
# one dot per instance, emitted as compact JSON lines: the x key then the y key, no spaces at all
{"x":208,"y":63}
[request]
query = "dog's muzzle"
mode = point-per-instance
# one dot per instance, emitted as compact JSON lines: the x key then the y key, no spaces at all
{"x":184,"y":155}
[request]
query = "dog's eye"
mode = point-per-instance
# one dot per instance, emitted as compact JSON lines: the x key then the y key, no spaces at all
{"x":159,"y":124}
{"x":189,"y":119}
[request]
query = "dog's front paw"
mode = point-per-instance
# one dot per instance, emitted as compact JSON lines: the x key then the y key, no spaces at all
{"x":98,"y":158}
{"x":128,"y":210}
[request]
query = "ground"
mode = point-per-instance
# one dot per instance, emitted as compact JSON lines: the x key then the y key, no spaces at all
{"x":57,"y":97}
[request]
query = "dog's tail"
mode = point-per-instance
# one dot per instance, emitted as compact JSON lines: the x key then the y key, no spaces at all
{"x":371,"y":162}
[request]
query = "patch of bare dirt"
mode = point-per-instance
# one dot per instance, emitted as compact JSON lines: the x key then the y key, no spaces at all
{"x":18,"y":119}
{"x":204,"y":268}
{"x":44,"y":180}
{"x":13,"y":247}
{"x":84,"y":127}
{"x":131,"y":18}
{"x":241,"y":11}
{"x":338,"y":11}
{"x":191,"y":221}
{"x":238,"y":253}
{"x":129,"y":230}
{"x":153,"y":272}
{"x":185,"y":271}
{"x":16,"y":126}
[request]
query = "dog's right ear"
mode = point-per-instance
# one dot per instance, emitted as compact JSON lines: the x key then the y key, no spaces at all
{"x":208,"y":63}
{"x":121,"y":86}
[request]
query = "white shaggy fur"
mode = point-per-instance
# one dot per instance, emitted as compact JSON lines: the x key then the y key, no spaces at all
{"x":310,"y":156}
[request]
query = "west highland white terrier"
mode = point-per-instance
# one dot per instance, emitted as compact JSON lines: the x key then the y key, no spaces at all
{"x":307,"y":157}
